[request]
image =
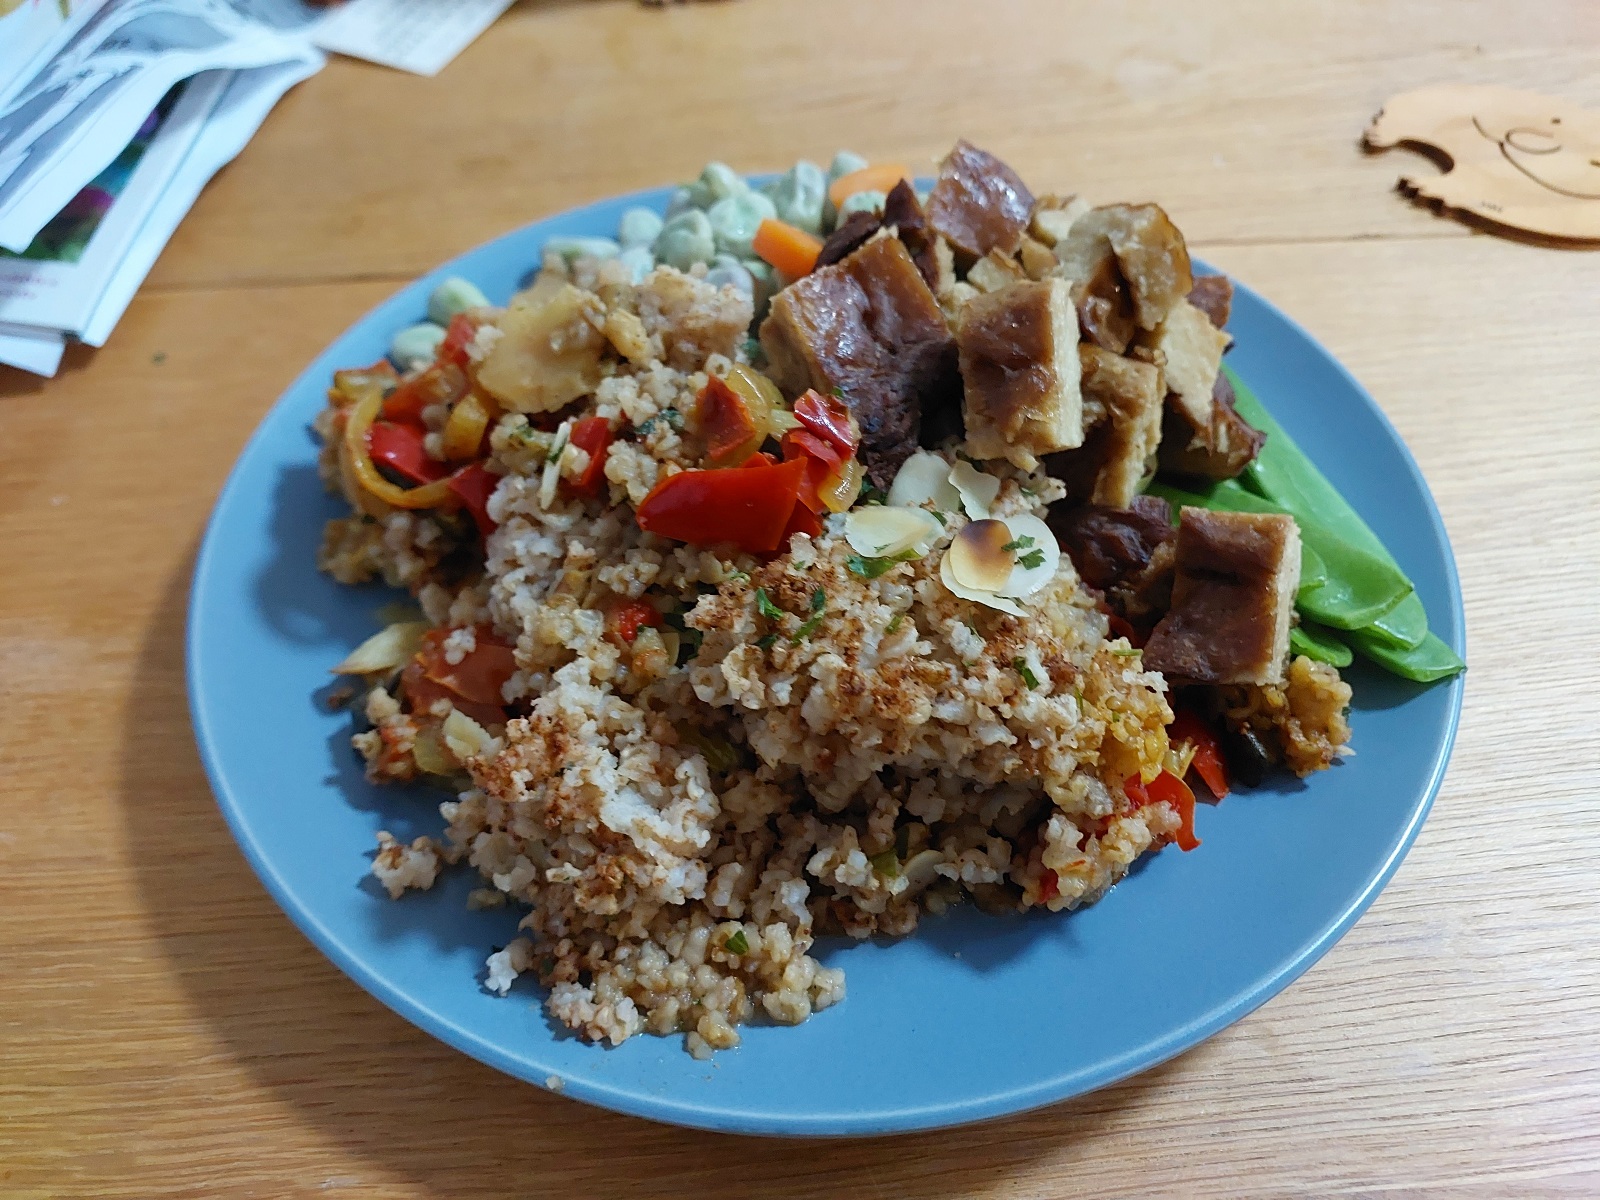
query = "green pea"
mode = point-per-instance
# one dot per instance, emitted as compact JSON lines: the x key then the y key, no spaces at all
{"x":735,"y":219}
{"x":685,"y":240}
{"x":639,"y":227}
{"x":574,"y":248}
{"x":799,"y":195}
{"x":862,"y":202}
{"x":717,"y":182}
{"x":454,"y":295}
{"x":846,"y":162}
{"x":639,"y":261}
{"x":415,"y":345}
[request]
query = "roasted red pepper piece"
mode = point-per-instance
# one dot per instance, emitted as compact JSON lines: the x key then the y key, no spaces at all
{"x":399,"y":447}
{"x":438,"y":384}
{"x":593,"y":436}
{"x":474,"y":485}
{"x":1188,"y":726}
{"x":1049,"y":885}
{"x":821,"y":459}
{"x":829,"y":419}
{"x":731,"y":432}
{"x":631,"y":616}
{"x":801,"y":520}
{"x":463,"y":328}
{"x":421,"y":693}
{"x":749,"y":507}
{"x":480,"y":674}
{"x":1167,"y":788}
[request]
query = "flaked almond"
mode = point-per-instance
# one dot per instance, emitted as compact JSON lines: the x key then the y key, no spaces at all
{"x":1036,"y":555}
{"x":882,"y":531}
{"x":977,"y":490}
{"x":957,"y":588}
{"x":980,"y":557}
{"x":924,"y":478}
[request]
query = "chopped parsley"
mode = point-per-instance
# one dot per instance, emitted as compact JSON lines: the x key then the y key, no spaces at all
{"x":886,"y":863}
{"x":560,"y":444}
{"x":819,"y":600}
{"x":1028,"y":677}
{"x":871,"y":568}
{"x":940,"y":517}
{"x":1021,"y":543}
{"x":836,"y":391}
{"x":739,"y":577}
{"x":766,"y":607}
{"x":1032,"y":559}
{"x":767,"y":642}
{"x":895,"y":624}
{"x":737,"y":943}
{"x":872,"y":495}
{"x":671,"y":416}
{"x":1128,"y":653}
{"x":752,"y":348}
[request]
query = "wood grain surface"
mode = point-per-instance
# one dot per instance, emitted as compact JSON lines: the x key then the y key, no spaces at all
{"x":165,"y":1031}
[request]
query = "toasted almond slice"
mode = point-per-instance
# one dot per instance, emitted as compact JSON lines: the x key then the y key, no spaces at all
{"x":977,"y":489}
{"x":881,"y":530}
{"x":958,"y":588}
{"x":978,"y":557}
{"x":924,"y":478}
{"x":1042,"y":551}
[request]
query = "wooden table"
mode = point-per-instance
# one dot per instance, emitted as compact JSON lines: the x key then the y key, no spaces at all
{"x":164,"y":1030}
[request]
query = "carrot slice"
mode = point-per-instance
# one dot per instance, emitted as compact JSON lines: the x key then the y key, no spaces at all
{"x":788,"y":249}
{"x":880,"y":177}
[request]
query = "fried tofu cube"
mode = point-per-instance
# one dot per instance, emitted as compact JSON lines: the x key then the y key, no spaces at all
{"x":1122,"y":400}
{"x":1053,"y":217}
{"x":1151,"y":254}
{"x":1232,"y":599}
{"x":1191,"y":347}
{"x":1019,"y":361}
{"x":995,"y":271}
{"x":978,"y":204}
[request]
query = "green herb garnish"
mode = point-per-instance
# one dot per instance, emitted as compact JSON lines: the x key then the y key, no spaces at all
{"x":940,"y":517}
{"x":886,"y":863}
{"x":1028,"y":677}
{"x":563,"y":435}
{"x":871,"y":568}
{"x":894,"y":624}
{"x":872,"y":495}
{"x":1032,"y":559}
{"x":766,"y":607}
{"x":767,"y":642}
{"x":737,"y":943}
{"x":1022,"y":543}
{"x":1130,"y":652}
{"x":819,"y":600}
{"x":739,"y":577}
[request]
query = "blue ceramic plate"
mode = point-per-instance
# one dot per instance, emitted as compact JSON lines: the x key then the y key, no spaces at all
{"x":973,"y":1017}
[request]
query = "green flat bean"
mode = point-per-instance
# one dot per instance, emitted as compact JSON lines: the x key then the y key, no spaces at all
{"x":1357,"y":587}
{"x":1424,"y":663}
{"x":1320,"y":645}
{"x":1282,"y":472}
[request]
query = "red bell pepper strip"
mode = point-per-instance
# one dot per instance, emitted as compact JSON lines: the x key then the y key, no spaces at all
{"x":731,"y":432}
{"x":399,"y":447}
{"x":801,"y":520}
{"x":760,"y":459}
{"x":463,"y":328}
{"x":829,"y":420}
{"x":749,"y":507}
{"x":1169,"y":789}
{"x":593,"y":436}
{"x":1188,"y":726}
{"x":474,"y":485}
{"x":631,"y":616}
{"x":438,"y":384}
{"x":821,"y":459}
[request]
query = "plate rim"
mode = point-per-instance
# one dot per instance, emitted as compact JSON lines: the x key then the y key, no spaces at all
{"x":721,"y":1118}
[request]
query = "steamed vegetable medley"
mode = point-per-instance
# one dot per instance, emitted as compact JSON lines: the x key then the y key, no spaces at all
{"x":822,"y":551}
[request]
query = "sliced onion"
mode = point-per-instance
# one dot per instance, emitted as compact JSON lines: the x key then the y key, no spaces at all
{"x":464,"y":737}
{"x":1024,"y":581}
{"x":924,"y":478}
{"x":966,"y":593}
{"x":392,"y":646}
{"x":978,"y":491}
{"x":882,"y":531}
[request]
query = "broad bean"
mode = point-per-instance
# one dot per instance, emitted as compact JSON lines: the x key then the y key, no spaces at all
{"x":735,"y":219}
{"x":685,"y":240}
{"x":454,"y":295}
{"x":415,"y":345}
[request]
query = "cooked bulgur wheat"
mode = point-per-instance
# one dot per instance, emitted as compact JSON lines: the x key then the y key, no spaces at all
{"x":680,"y":835}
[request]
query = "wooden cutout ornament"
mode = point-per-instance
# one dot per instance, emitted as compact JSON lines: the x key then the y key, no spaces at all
{"x":1517,"y":160}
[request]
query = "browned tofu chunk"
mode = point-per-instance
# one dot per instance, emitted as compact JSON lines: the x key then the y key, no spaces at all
{"x":1213,"y":295}
{"x":1122,"y":400}
{"x":1232,"y":597}
{"x":978,"y":204}
{"x":1150,"y":253}
{"x":869,"y":329}
{"x":1190,"y":347}
{"x":995,"y":271}
{"x":1221,"y":450}
{"x":1019,"y":362}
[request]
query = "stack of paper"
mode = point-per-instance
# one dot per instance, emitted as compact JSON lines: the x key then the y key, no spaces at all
{"x":115,"y":113}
